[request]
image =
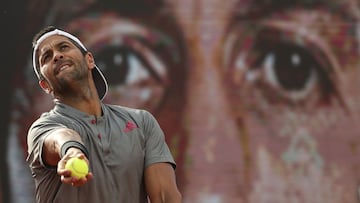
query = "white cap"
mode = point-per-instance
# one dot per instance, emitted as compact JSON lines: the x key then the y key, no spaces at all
{"x":99,"y":79}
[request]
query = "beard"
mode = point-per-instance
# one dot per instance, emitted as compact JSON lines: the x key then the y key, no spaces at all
{"x":68,"y":84}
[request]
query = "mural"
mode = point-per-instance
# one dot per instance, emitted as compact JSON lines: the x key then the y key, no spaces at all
{"x":258,"y":99}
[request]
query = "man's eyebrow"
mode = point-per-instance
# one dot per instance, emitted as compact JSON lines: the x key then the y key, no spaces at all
{"x":63,"y":42}
{"x":57,"y":44}
{"x":46,"y":49}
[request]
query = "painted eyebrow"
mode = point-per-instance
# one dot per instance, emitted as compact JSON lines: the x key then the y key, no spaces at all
{"x":274,"y":6}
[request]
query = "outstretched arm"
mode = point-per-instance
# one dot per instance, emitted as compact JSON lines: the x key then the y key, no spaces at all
{"x":52,"y":154}
{"x":54,"y":141}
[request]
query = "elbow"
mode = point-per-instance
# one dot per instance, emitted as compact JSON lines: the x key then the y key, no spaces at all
{"x":174,"y":197}
{"x":178,"y":197}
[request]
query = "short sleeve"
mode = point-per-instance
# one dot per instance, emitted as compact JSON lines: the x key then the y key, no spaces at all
{"x":35,"y":140}
{"x":156,"y":149}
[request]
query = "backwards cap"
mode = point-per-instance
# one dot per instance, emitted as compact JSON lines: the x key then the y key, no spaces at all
{"x":99,"y":79}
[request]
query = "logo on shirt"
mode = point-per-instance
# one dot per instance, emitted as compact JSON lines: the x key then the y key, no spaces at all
{"x":129,"y":127}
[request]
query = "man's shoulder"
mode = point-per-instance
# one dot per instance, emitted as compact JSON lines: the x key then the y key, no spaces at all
{"x":124,"y":109}
{"x":51,"y":116}
{"x":45,"y":122}
{"x":137,"y":114}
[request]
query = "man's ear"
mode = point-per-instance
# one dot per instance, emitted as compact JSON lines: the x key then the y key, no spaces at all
{"x":45,"y":86}
{"x":90,"y":60}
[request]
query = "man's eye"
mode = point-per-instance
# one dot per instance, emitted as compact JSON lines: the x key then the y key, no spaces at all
{"x":45,"y":58}
{"x":63,"y":47}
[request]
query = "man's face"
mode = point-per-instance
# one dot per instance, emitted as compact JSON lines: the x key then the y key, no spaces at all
{"x":61,"y":63}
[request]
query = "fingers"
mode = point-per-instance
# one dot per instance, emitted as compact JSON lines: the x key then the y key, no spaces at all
{"x":76,"y":182}
{"x":65,"y":174}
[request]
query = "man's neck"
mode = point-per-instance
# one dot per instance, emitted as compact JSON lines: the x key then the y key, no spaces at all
{"x":91,"y":106}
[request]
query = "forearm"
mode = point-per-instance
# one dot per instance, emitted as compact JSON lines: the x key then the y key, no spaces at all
{"x":167,"y":198}
{"x":161,"y":184}
{"x":173,"y":197}
{"x":53,"y":142}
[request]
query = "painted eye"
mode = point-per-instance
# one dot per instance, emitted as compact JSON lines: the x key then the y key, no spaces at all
{"x":288,"y":70}
{"x":136,"y":77}
{"x":122,"y":65}
{"x":280,"y":68}
{"x":139,"y":61}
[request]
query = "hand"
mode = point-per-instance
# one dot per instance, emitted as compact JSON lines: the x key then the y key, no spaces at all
{"x":66,"y":174}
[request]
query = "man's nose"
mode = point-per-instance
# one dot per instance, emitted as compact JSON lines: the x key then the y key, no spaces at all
{"x":57,"y":56}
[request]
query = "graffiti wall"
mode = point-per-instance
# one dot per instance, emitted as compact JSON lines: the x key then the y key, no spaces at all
{"x":259,"y":99}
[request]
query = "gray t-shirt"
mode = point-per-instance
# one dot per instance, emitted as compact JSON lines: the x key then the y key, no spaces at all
{"x":121,"y":144}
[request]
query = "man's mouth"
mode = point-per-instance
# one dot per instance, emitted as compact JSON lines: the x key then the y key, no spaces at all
{"x":62,"y":66}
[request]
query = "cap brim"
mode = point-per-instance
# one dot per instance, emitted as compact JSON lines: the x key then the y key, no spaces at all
{"x":100,"y":82}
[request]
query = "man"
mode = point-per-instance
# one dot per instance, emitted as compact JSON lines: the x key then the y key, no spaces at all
{"x":125,"y":148}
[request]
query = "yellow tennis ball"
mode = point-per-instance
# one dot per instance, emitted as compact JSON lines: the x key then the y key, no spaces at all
{"x":78,"y":167}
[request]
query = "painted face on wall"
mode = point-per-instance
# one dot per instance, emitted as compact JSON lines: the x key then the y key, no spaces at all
{"x":258,"y":99}
{"x":271,"y":110}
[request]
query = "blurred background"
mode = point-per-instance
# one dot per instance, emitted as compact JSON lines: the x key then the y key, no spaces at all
{"x":259,"y":99}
